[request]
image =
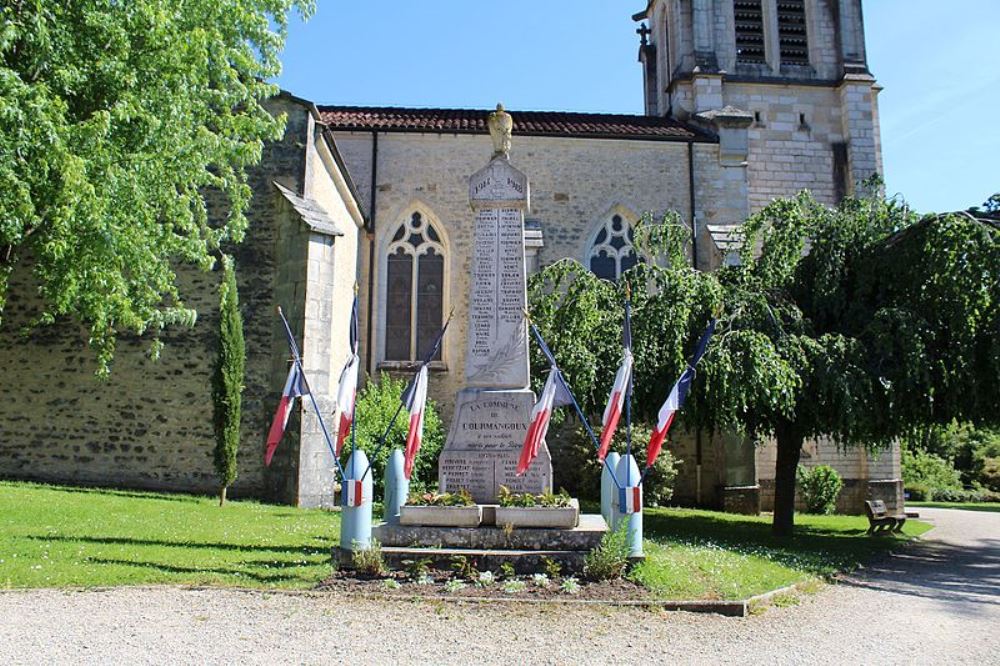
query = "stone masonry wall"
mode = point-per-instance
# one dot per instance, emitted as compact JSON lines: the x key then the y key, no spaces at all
{"x":575,"y":184}
{"x":150,"y":424}
{"x":855,"y":465}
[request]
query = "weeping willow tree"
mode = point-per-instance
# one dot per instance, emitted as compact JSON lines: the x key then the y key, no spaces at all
{"x":227,"y":381}
{"x":861,"y":323}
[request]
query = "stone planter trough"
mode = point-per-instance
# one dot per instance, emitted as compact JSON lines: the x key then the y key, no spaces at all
{"x":539,"y":516}
{"x":441,"y":516}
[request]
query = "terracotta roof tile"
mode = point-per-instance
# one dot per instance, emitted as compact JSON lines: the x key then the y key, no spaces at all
{"x":529,"y":123}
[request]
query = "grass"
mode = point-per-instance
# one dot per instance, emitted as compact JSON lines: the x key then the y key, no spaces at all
{"x":694,"y":554}
{"x":967,"y":506}
{"x":53,"y":536}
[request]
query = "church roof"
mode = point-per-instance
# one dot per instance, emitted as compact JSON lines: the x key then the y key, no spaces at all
{"x":526,"y":123}
{"x":311,"y":212}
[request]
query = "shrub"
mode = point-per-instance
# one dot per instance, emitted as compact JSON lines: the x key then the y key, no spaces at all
{"x":918,"y":492}
{"x":514,"y":586}
{"x":376,"y":404}
{"x":541,"y":580}
{"x":609,"y":559}
{"x":368,"y":561}
{"x":990,"y":475}
{"x":962,"y":445}
{"x":227,"y":380}
{"x":961,"y":495}
{"x":506,"y":498}
{"x":570,"y":585}
{"x":820,"y":487}
{"x":927,"y":469}
{"x":552,"y":568}
{"x":576,"y":469}
{"x":460,"y":498}
{"x":453,"y":586}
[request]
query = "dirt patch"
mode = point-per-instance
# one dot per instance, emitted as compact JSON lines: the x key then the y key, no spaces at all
{"x":524,"y":588}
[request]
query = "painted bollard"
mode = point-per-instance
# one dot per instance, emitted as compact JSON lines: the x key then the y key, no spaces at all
{"x":356,"y":510}
{"x":628,"y":508}
{"x":397,"y":487}
{"x":609,"y":491}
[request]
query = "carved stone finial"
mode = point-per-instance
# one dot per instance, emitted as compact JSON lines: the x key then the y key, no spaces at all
{"x":501,"y":125}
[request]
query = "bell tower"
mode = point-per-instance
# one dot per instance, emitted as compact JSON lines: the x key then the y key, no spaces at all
{"x":792,"y":74}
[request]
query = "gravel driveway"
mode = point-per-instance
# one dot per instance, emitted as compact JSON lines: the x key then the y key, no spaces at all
{"x":940,"y":603}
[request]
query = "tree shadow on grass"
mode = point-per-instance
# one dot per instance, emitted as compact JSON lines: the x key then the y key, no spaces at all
{"x":813,"y":549}
{"x":135,"y":494}
{"x":242,"y":574}
{"x":305,"y":550}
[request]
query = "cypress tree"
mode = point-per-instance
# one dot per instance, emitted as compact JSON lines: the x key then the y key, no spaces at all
{"x":227,"y":381}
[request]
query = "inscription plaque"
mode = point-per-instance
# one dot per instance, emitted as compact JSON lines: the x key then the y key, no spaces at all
{"x":493,"y":412}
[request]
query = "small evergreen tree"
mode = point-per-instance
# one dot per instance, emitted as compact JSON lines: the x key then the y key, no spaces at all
{"x":227,"y":381}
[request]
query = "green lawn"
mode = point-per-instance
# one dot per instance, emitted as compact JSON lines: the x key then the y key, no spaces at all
{"x":694,"y":554}
{"x":58,"y":536}
{"x":967,"y":506}
{"x":54,"y":536}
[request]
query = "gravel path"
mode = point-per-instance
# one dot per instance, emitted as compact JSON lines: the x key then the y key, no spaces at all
{"x":940,"y":603}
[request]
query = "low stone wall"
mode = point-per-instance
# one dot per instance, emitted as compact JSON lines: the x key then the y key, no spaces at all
{"x":852,"y":496}
{"x":741,"y":499}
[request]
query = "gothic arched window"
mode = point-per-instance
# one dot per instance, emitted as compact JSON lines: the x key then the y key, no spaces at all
{"x":612,"y":252}
{"x":414,"y":302}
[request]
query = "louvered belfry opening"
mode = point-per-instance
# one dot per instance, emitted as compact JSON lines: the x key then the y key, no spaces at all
{"x":792,"y":32}
{"x":749,"y":31}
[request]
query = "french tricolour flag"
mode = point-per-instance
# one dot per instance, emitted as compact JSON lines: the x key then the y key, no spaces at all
{"x":355,"y":491}
{"x":554,"y":394}
{"x":346,"y":395}
{"x":294,"y":387}
{"x":347,"y":390}
{"x":676,"y":399}
{"x":630,"y":499}
{"x":415,"y":400}
{"x":613,"y":410}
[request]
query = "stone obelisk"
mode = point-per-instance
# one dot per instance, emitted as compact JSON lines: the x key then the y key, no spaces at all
{"x":492,"y":412}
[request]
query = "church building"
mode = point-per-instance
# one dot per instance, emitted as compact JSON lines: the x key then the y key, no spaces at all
{"x":745,"y":101}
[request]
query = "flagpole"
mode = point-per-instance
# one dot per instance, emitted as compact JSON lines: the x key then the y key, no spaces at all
{"x":628,"y":389}
{"x":576,"y":405}
{"x":319,"y":415}
{"x":353,"y":337}
{"x":427,"y":359}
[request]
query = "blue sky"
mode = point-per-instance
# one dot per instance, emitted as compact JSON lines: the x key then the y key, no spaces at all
{"x":940,"y":70}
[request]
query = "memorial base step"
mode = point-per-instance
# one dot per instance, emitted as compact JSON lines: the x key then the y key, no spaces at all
{"x":523,"y":561}
{"x":584,"y":537}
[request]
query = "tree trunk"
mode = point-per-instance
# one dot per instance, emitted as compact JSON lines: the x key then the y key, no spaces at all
{"x":789,"y":451}
{"x":222,"y":496}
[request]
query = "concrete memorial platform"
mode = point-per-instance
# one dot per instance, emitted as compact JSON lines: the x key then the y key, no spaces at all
{"x":490,"y":546}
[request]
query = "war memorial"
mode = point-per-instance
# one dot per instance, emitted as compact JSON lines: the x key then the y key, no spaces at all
{"x":493,"y":415}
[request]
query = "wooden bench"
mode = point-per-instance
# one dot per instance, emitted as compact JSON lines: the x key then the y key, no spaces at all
{"x":879,"y":519}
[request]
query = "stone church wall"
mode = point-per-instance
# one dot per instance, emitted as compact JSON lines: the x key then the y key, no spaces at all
{"x":150,"y":425}
{"x":576,"y":184}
